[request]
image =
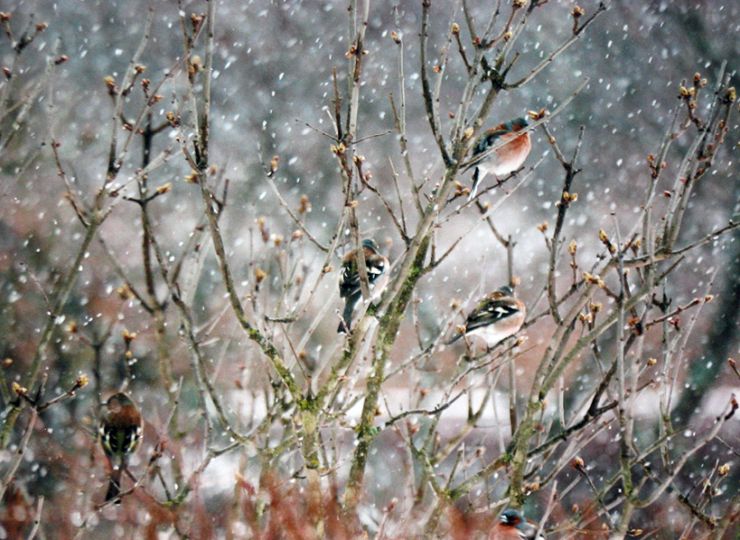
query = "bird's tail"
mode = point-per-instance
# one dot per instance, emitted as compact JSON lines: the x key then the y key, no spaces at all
{"x":114,"y":486}
{"x":476,"y":181}
{"x":349,"y":306}
{"x":454,"y":338}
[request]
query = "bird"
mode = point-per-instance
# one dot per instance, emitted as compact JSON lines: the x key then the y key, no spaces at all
{"x":120,"y":433}
{"x":504,"y":159}
{"x":512,"y":526}
{"x":349,"y":280}
{"x":497,"y":316}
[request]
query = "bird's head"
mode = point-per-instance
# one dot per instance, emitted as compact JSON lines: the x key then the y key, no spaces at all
{"x":506,"y":290}
{"x":122,"y":407}
{"x":501,"y":292}
{"x":372,"y":245}
{"x":118,"y":401}
{"x":511,"y":517}
{"x":518,"y":124}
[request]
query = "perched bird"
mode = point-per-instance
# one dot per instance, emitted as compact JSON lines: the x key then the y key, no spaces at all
{"x":496,"y":317}
{"x":504,"y":159}
{"x":513,"y":526}
{"x":120,"y":434}
{"x":349,"y":280}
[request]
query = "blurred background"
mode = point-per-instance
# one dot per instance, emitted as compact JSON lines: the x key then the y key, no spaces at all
{"x":272,"y":95}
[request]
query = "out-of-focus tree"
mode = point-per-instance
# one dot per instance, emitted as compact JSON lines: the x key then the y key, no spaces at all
{"x":185,"y":186}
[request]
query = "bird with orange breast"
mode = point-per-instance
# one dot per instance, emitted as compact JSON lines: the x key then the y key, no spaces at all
{"x":499,"y":151}
{"x":512,"y":526}
{"x":120,"y":435}
{"x":497,"y":316}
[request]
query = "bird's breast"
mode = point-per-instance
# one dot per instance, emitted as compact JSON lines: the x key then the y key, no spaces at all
{"x":511,"y":156}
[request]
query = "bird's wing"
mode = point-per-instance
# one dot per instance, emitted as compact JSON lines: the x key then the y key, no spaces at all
{"x":118,"y":439}
{"x":487,"y":140}
{"x":490,"y":312}
{"x":481,"y":150}
{"x":349,"y":279}
{"x":376,"y":267}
